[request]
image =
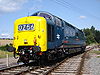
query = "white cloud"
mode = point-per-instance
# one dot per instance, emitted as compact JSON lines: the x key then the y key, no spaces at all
{"x":11,"y":5}
{"x":5,"y":35}
{"x":82,"y":17}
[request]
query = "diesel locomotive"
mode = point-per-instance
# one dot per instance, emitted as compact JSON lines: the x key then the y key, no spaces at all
{"x":43,"y":36}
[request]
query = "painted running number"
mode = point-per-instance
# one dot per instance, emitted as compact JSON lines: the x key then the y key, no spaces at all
{"x":25,"y":27}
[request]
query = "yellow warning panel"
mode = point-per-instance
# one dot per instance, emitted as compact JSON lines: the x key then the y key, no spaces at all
{"x":30,"y":31}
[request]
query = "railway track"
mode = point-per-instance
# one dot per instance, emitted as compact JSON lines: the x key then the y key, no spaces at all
{"x":69,"y":66}
{"x":17,"y":70}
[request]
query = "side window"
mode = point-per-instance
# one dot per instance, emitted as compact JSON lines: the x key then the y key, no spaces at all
{"x":81,"y":35}
{"x":50,"y":32}
{"x":58,"y":22}
{"x":77,"y":34}
{"x":69,"y":31}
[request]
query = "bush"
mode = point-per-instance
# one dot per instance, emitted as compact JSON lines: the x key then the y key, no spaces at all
{"x":4,"y":48}
{"x":96,"y":52}
{"x":4,"y":53}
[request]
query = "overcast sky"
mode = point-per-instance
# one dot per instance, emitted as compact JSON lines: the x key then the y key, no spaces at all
{"x":80,"y":13}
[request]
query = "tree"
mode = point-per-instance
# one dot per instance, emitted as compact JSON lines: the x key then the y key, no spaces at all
{"x":97,"y":34}
{"x":90,"y":35}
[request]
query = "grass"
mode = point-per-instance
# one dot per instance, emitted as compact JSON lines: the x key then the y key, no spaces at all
{"x":3,"y":54}
{"x":96,"y":52}
{"x":98,"y":56}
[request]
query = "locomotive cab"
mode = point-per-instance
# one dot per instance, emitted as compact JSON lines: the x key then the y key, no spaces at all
{"x":30,"y":36}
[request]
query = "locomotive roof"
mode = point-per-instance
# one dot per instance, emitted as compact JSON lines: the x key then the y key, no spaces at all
{"x":36,"y":14}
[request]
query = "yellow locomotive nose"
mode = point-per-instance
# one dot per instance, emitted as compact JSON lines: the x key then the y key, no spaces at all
{"x":30,"y":31}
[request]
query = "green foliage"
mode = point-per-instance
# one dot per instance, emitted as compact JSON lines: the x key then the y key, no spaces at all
{"x":4,"y":48}
{"x":90,"y":39}
{"x":96,"y":52}
{"x":97,"y":34}
{"x":98,"y":56}
{"x":92,"y":35}
{"x":4,"y":51}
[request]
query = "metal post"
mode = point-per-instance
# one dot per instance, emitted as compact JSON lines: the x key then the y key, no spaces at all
{"x":7,"y":64}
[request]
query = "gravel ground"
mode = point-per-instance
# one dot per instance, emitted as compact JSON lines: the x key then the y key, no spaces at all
{"x":3,"y":62}
{"x":92,"y":65}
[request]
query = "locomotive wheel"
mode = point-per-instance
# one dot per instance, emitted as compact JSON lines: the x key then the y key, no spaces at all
{"x":24,"y":59}
{"x":50,"y":57}
{"x":42,"y":60}
{"x":83,"y":49}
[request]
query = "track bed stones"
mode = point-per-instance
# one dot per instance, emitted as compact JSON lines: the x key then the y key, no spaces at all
{"x":91,"y":65}
{"x":69,"y":67}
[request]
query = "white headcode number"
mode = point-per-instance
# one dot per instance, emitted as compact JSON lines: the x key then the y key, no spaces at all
{"x":25,"y":27}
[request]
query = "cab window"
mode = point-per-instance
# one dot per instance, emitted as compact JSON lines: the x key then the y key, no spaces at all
{"x":58,"y":22}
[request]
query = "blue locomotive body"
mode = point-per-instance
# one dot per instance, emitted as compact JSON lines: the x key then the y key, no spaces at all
{"x":61,"y":34}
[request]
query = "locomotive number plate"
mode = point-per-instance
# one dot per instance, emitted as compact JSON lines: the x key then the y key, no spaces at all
{"x":25,"y":27}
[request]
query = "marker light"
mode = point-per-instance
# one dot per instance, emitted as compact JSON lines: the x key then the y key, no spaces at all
{"x":66,"y":41}
{"x":35,"y":41}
